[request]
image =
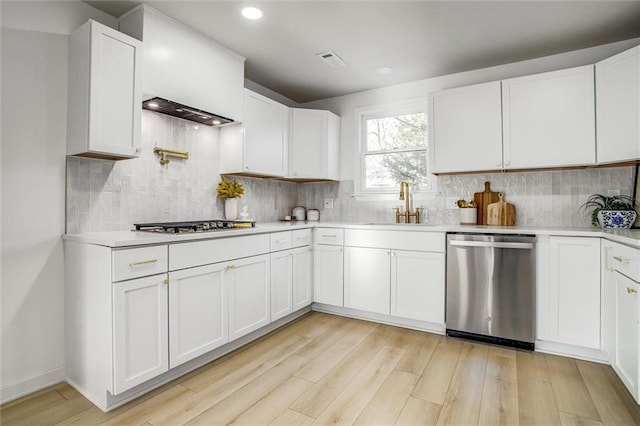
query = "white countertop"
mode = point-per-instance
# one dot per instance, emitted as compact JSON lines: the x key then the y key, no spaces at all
{"x":629,"y":237}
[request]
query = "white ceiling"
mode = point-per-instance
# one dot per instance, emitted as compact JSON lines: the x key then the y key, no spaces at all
{"x":419,"y":39}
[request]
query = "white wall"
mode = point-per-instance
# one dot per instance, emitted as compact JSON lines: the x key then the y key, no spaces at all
{"x":34,"y":92}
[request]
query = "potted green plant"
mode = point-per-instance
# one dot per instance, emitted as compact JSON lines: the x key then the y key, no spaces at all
{"x":611,"y":212}
{"x":230,"y":191}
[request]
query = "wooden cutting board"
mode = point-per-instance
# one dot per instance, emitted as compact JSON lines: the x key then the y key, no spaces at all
{"x":501,"y":212}
{"x":482,"y":200}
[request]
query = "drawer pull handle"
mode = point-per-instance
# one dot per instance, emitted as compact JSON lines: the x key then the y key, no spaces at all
{"x":631,"y":290}
{"x":143,"y":262}
{"x":329,"y":236}
{"x":621,"y":259}
{"x":228,"y":267}
{"x":281,"y":241}
{"x":166,"y":282}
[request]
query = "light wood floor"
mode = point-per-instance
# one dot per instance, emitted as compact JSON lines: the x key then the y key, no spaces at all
{"x":326,"y":369}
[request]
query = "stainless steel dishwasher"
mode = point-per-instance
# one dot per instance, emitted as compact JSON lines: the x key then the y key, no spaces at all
{"x":491,"y":283}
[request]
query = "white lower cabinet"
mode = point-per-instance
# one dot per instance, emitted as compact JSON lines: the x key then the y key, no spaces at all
{"x":249,"y":289}
{"x":281,"y":284}
{"x":395,"y":273}
{"x":569,"y":291}
{"x":140,"y":335}
{"x":366,"y":279}
{"x":197,"y":312}
{"x":417,"y":285}
{"x":328,"y":267}
{"x":302,"y":279}
{"x":625,"y":360}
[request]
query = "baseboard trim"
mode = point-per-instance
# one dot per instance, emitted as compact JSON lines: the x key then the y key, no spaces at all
{"x":31,"y":385}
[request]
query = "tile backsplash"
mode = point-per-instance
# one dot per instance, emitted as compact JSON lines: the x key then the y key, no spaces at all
{"x":109,"y":196}
{"x":548,"y":198}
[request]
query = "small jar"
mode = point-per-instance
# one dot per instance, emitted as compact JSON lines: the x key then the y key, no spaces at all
{"x":313,"y":215}
{"x":468,"y":215}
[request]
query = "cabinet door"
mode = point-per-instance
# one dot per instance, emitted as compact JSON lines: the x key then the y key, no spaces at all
{"x":626,"y":332}
{"x":302,"y":277}
{"x":265,"y":135}
{"x":140,"y":334}
{"x":418,"y":285}
{"x":465,"y":129}
{"x":105,"y":99}
{"x":197,"y":312}
{"x":618,"y":107}
{"x":248,"y":285}
{"x":281,"y":284}
{"x":569,"y":310}
{"x":328,"y":267}
{"x":314,"y":143}
{"x":549,"y":119}
{"x":367,"y":274}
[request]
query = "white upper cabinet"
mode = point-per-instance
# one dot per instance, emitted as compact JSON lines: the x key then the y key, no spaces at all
{"x":260,"y":145}
{"x":465,"y":129}
{"x":618,"y":107}
{"x":104,"y":93}
{"x":183,"y":65}
{"x":314,"y":144}
{"x":549,"y":119}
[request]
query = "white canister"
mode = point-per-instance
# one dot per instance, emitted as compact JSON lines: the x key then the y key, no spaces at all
{"x":468,"y":215}
{"x":313,"y":214}
{"x":299,"y":213}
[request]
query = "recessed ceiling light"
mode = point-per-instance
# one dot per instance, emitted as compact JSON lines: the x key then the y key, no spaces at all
{"x":153,"y":105}
{"x":252,"y":13}
{"x":216,"y":122}
{"x":384,"y":70}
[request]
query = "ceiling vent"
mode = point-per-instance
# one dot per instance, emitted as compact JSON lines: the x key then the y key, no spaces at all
{"x":333,"y":60}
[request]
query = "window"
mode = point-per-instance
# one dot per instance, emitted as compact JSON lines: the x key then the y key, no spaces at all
{"x":393,"y":148}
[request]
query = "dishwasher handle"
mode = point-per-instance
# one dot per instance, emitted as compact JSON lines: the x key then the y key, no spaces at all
{"x":491,"y":244}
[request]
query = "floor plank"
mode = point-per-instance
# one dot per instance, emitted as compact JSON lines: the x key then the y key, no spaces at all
{"x":569,"y":389}
{"x":292,"y":418}
{"x":500,"y":394}
{"x":388,"y":402}
{"x":463,"y":402}
{"x":573,"y":420}
{"x":419,"y":412}
{"x":348,"y":405}
{"x":418,"y":353}
{"x":434,"y":382}
{"x":536,"y":403}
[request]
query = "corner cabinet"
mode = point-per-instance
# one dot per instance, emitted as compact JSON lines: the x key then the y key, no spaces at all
{"x":314,"y":145}
{"x":465,"y":129}
{"x":569,"y":294}
{"x":259,"y":146}
{"x":105,"y":93}
{"x":549,"y":119}
{"x":185,"y":66}
{"x":618,"y":107}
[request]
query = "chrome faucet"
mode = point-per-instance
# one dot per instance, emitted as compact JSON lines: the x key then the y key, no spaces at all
{"x":407,"y":214}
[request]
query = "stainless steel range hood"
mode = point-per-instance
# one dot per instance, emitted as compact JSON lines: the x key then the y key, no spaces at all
{"x":175,"y":109}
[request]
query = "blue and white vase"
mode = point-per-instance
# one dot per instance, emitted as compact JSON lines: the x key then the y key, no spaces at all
{"x":620,"y":219}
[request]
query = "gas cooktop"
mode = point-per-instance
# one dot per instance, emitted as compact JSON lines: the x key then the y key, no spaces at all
{"x":193,"y":226}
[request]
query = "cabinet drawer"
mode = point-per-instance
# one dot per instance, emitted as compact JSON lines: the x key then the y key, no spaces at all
{"x":331,"y":236}
{"x":301,"y":237}
{"x":139,"y":262}
{"x":626,"y":260}
{"x":187,"y":255}
{"x":397,"y":240}
{"x":280,"y":240}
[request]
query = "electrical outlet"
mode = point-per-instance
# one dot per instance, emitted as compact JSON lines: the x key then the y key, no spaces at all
{"x":452,"y":203}
{"x":613,"y":192}
{"x":328,"y":203}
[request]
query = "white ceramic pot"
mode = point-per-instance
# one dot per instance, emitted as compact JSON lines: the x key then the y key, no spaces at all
{"x":231,"y":208}
{"x":299,"y":213}
{"x":468,"y":215}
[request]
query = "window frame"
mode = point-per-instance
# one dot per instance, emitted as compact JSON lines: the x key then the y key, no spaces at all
{"x":362,"y":114}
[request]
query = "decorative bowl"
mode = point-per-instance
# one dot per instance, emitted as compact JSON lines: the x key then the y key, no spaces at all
{"x":622,"y":219}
